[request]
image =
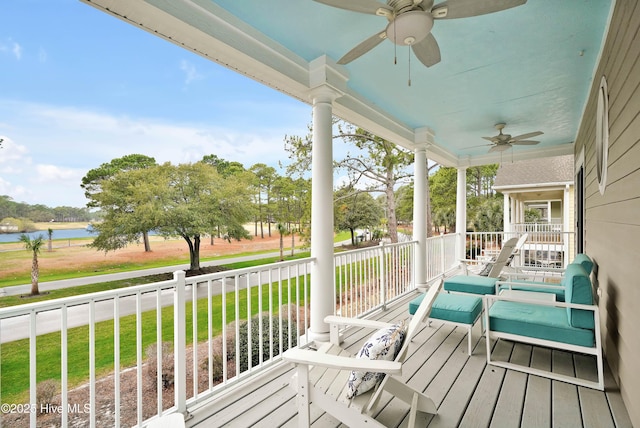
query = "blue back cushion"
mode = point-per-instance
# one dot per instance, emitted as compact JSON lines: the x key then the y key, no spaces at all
{"x":585,"y":261}
{"x":578,"y":290}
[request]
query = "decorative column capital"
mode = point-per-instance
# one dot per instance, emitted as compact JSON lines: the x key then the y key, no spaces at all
{"x":324,"y":94}
{"x":424,"y":137}
{"x":327,"y":79}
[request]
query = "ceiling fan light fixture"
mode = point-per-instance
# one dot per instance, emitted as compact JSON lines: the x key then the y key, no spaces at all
{"x":409,"y":27}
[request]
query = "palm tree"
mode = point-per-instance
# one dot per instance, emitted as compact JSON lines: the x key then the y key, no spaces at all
{"x":50,"y":242}
{"x":282,"y":230}
{"x":33,"y":245}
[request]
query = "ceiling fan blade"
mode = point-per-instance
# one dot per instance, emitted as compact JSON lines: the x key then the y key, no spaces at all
{"x":524,"y":142}
{"x":452,"y":9}
{"x":427,"y":50}
{"x":424,"y":4}
{"x":492,"y":139}
{"x":500,"y":148}
{"x":525,"y":136}
{"x":363,"y":6}
{"x":475,"y":147}
{"x":363,"y":47}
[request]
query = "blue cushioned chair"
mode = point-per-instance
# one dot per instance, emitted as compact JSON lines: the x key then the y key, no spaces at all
{"x":573,"y":325}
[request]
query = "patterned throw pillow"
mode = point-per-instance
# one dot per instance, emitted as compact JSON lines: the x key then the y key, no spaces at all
{"x":384,"y":344}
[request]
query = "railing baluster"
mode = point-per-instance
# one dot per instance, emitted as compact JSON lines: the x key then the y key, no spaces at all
{"x":180,"y":343}
{"x":64,"y":376}
{"x":159,"y":350}
{"x":116,"y":358}
{"x":139,"y":356}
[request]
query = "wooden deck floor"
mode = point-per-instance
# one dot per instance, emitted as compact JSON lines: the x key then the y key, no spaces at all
{"x":468,"y":393}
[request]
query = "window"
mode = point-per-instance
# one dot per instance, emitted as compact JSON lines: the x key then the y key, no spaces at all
{"x":602,"y":135}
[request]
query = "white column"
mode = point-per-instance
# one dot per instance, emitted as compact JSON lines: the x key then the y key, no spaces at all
{"x":461,"y":212}
{"x":566,"y":225}
{"x":506,"y":214}
{"x":420,"y":216}
{"x":322,"y":271}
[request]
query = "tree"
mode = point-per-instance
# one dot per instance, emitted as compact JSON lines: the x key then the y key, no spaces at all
{"x":263,"y":182}
{"x":282,"y":230}
{"x":443,"y":197}
{"x":95,"y":179}
{"x":131,"y":203}
{"x":196,"y":197}
{"x":355,"y":210}
{"x":50,"y":240}
{"x":377,"y":166}
{"x":34,"y":245}
{"x":489,"y":217}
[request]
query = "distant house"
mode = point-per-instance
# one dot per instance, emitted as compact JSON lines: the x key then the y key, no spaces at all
{"x":8,"y":228}
{"x":545,"y":185}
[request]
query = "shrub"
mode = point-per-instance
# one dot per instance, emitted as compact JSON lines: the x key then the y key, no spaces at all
{"x":265,"y":340}
{"x":216,"y":368}
{"x":45,"y":392}
{"x":167,"y":364}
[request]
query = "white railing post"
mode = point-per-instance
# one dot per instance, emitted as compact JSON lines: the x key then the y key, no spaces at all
{"x":383,"y":278}
{"x":443,"y":253}
{"x":180,"y":342}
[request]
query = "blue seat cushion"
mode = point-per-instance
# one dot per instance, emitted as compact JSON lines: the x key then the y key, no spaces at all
{"x":458,"y":308}
{"x":537,"y":321}
{"x":471,"y":284}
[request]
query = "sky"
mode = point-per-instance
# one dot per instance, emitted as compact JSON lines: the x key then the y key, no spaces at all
{"x":79,"y":88}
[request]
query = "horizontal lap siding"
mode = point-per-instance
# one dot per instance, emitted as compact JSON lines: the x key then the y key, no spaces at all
{"x":612,"y":220}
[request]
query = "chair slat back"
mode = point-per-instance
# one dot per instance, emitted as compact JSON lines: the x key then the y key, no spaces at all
{"x":420,"y":316}
{"x":501,"y":261}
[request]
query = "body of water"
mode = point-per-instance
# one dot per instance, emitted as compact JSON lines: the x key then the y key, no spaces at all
{"x":57,"y":234}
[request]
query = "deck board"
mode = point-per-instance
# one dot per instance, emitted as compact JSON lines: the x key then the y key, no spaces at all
{"x":468,"y":393}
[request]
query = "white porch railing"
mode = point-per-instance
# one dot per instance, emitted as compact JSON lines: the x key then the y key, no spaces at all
{"x":164,"y":347}
{"x":544,"y":248}
{"x":201,"y":322}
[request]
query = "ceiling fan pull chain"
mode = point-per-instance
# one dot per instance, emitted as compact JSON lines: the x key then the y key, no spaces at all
{"x":409,"y":65}
{"x":395,"y":48}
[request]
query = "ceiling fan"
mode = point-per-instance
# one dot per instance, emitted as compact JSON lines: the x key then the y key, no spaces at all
{"x":502,"y":142}
{"x":410,"y":22}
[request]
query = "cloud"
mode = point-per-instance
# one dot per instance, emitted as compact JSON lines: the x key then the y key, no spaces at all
{"x":12,"y":155}
{"x":52,"y":174}
{"x":45,"y":163}
{"x":191,"y":74}
{"x":11,"y":47}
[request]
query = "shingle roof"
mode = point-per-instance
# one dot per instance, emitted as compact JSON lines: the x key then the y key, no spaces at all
{"x":557,"y":169}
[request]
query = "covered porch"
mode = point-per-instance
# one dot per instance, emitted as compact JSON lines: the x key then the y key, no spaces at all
{"x":536,"y":67}
{"x":467,"y":391}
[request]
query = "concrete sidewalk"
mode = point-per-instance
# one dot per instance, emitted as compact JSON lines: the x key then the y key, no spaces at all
{"x":85,"y":280}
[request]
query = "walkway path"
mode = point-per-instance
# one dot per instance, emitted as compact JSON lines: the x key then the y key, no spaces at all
{"x":18,"y":328}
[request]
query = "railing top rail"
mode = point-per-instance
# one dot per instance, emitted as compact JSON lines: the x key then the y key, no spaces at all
{"x":80,"y":299}
{"x":375,"y":248}
{"x":19,"y":310}
{"x":248,"y":270}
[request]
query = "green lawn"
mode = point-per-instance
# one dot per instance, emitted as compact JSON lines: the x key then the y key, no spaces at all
{"x":14,"y":367}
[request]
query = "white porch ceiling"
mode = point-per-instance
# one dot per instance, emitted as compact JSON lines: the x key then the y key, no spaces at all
{"x":530,"y":67}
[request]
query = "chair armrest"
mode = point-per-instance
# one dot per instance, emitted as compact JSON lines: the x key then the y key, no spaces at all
{"x":335,"y":322}
{"x":356,"y":322}
{"x":313,"y":358}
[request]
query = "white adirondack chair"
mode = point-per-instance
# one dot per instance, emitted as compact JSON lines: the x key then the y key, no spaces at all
{"x":322,"y":375}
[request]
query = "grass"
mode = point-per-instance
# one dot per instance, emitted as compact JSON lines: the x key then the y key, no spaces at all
{"x":14,"y":368}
